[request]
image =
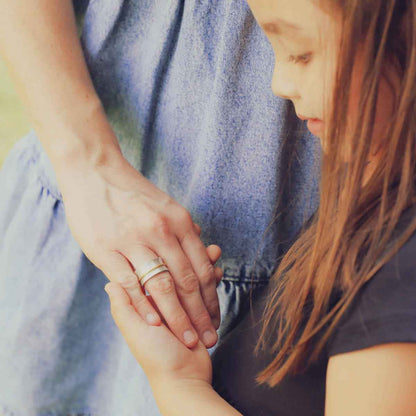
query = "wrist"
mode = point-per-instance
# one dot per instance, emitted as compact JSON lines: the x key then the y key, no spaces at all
{"x":176,"y":397}
{"x":164,"y":387}
{"x":191,"y":397}
{"x":87,"y":139}
{"x":173,"y":393}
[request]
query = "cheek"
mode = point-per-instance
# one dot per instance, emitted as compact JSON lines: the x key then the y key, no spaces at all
{"x":319,"y":97}
{"x":355,"y":89}
{"x":384,"y":103}
{"x":315,"y":94}
{"x":327,"y":88}
{"x":384,"y":109}
{"x":317,"y":86}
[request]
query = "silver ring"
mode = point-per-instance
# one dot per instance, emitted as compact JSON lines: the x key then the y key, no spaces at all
{"x":145,"y":268}
{"x":144,"y":279}
{"x":150,"y":269}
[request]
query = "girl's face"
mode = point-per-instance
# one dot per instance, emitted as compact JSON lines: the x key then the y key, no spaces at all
{"x":304,"y":39}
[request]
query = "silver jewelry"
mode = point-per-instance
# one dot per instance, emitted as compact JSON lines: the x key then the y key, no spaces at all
{"x":153,"y":273}
{"x":150,"y":269}
{"x":145,"y":268}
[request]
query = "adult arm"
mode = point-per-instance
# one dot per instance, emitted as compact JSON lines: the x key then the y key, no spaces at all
{"x":40,"y":44}
{"x":102,"y":193}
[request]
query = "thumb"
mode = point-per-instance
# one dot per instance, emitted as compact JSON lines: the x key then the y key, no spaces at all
{"x":117,"y":294}
{"x":122,"y":310}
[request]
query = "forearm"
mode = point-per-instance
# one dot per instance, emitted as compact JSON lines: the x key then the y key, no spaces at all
{"x":190,"y":399}
{"x":40,"y":45}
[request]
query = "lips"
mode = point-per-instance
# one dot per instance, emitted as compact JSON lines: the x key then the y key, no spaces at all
{"x":315,"y":125}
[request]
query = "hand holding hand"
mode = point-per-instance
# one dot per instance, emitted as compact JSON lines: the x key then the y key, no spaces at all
{"x":161,"y":355}
{"x":122,"y":221}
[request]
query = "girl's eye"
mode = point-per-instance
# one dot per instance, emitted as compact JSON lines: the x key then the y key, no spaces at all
{"x":301,"y":59}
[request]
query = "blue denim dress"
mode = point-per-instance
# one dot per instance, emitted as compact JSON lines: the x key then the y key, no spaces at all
{"x":186,"y":86}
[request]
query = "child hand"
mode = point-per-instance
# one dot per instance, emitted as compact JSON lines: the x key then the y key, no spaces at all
{"x":161,"y":355}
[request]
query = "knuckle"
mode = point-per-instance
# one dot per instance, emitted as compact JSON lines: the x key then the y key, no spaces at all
{"x":189,"y":283}
{"x":140,"y":301}
{"x":168,"y":203}
{"x":208,"y":275}
{"x":160,"y":226}
{"x":162,"y":284}
{"x":128,"y":281}
{"x":177,"y":320}
{"x":184,"y":217}
{"x":118,"y":310}
{"x":202,"y":320}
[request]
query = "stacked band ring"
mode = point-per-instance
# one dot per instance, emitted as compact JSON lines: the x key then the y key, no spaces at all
{"x":151,"y":269}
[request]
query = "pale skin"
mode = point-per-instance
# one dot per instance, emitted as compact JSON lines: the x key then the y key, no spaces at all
{"x":102,"y":192}
{"x":376,"y":381}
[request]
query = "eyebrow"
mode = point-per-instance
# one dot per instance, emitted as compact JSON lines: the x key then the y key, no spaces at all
{"x":277,"y":26}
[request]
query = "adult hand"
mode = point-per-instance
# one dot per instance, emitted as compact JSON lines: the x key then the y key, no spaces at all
{"x":121,"y":221}
{"x":161,"y":355}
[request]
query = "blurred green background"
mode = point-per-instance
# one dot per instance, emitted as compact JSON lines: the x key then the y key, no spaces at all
{"x":13,"y":120}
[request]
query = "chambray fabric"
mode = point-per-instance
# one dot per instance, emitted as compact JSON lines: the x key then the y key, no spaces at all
{"x":186,"y":86}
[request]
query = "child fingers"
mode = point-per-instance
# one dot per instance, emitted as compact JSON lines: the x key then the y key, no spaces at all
{"x":131,"y":294}
{"x":214,"y":253}
{"x":122,"y":310}
{"x":131,"y":325}
{"x":197,"y":229}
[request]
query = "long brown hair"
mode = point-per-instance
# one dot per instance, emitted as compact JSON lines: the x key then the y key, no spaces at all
{"x":354,"y":231}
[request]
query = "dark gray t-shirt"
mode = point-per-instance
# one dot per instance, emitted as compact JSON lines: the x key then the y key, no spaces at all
{"x":384,"y":311}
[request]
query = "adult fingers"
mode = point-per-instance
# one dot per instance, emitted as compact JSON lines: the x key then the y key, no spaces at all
{"x":218,"y":275}
{"x":214,"y":253}
{"x":185,"y":231}
{"x":162,"y":289}
{"x":122,"y":310}
{"x":118,"y":270}
{"x":195,"y":251}
{"x":187,"y":287}
{"x":131,"y":325}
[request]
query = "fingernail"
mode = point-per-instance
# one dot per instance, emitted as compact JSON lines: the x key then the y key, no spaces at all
{"x":189,"y":337}
{"x":209,"y":338}
{"x":151,"y":319}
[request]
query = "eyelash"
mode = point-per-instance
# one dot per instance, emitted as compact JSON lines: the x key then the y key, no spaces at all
{"x":303,"y":59}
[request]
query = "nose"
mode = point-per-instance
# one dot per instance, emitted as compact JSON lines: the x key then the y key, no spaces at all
{"x":283,"y":84}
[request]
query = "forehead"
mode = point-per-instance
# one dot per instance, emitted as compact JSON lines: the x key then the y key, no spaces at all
{"x":294,"y":18}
